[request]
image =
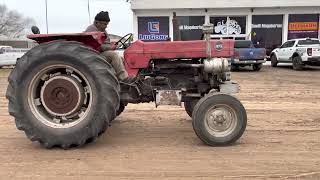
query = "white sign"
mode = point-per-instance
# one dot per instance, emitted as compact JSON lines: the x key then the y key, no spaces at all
{"x":188,"y":27}
{"x":266,"y":26}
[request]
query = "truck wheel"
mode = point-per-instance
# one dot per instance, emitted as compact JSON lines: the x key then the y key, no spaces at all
{"x":234,"y":67}
{"x":219,"y":119}
{"x":257,"y":67}
{"x":62,"y":94}
{"x":189,"y":105}
{"x":297,"y":63}
{"x":274,"y":61}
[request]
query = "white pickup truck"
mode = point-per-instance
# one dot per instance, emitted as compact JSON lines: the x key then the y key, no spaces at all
{"x":9,"y":55}
{"x":299,"y":52}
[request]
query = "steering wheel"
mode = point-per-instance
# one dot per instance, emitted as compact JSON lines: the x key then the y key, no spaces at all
{"x":124,"y":42}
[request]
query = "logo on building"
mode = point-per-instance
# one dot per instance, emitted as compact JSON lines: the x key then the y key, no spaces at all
{"x":229,"y":27}
{"x":153,"y":27}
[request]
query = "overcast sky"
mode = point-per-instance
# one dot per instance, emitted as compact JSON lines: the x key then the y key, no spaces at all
{"x":72,"y":15}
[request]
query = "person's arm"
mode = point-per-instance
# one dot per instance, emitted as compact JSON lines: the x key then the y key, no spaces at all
{"x":107,"y":45}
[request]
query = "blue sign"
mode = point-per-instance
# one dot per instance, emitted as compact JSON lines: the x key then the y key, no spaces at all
{"x":153,"y":28}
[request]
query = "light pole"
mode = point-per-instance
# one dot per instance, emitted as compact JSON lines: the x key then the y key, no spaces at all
{"x":89,"y":12}
{"x":47,"y":16}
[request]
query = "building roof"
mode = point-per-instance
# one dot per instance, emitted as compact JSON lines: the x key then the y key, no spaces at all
{"x":202,"y":4}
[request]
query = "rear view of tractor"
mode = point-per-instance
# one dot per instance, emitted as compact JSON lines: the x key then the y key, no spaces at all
{"x":63,"y":93}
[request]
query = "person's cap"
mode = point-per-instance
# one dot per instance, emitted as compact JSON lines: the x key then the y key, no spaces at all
{"x":102,"y":16}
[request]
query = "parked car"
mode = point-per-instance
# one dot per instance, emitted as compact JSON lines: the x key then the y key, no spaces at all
{"x":5,"y":47}
{"x":299,"y":52}
{"x":247,"y":55}
{"x":9,"y":55}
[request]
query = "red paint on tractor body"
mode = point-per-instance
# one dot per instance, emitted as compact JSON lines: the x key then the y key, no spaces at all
{"x":91,"y":39}
{"x":139,"y":54}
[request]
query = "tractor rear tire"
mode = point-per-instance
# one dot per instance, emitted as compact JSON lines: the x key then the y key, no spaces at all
{"x":189,"y":105}
{"x":63,"y":94}
{"x":219,"y":119}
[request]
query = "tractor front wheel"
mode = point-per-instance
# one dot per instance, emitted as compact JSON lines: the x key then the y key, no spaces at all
{"x":219,"y":119}
{"x":189,"y":105}
{"x":121,"y":108}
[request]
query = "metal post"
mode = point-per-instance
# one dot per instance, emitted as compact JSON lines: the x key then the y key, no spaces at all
{"x":89,"y":11}
{"x":47,"y":16}
{"x":207,"y":31}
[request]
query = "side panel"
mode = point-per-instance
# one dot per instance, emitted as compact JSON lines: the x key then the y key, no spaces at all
{"x":139,"y":54}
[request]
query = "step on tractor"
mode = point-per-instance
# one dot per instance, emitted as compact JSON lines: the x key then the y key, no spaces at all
{"x":63,"y":93}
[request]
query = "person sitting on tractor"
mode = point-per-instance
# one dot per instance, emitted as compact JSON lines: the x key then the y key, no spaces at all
{"x":100,"y":24}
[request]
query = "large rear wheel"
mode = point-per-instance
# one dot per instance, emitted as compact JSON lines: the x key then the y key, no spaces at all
{"x":219,"y":119}
{"x":63,"y":94}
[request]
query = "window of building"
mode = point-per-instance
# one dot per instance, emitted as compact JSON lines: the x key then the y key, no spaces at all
{"x":190,"y":27}
{"x":267,"y":31}
{"x":303,"y":26}
{"x":229,"y":25}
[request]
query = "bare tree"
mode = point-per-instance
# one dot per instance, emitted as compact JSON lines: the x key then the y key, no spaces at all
{"x":12,"y":23}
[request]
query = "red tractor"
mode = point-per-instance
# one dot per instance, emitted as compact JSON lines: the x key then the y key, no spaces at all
{"x":63,"y":93}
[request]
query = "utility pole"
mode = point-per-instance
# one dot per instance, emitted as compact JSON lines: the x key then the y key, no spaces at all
{"x":89,"y":11}
{"x":47,"y":16}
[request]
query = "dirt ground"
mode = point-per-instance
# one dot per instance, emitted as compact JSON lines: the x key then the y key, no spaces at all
{"x":282,"y":140}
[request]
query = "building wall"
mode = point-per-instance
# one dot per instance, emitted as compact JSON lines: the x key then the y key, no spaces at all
{"x":248,"y":12}
{"x":18,"y":43}
{"x":196,"y":4}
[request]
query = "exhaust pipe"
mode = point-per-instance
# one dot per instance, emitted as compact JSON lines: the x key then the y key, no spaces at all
{"x":213,"y":65}
{"x":207,"y":31}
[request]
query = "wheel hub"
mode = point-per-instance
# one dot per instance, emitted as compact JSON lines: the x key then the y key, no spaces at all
{"x":219,"y":120}
{"x":62,"y":95}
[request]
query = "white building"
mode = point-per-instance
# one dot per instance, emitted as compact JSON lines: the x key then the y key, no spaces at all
{"x":267,"y":23}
